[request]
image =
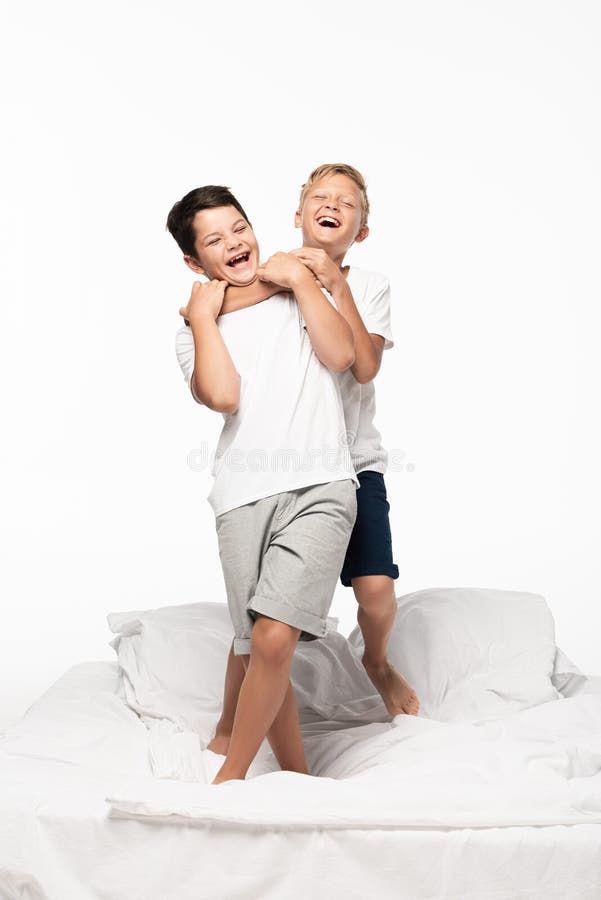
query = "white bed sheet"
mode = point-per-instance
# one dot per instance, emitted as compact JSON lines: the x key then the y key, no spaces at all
{"x":413,"y":809}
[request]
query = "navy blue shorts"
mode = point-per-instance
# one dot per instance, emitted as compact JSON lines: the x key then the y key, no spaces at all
{"x":370,"y":548}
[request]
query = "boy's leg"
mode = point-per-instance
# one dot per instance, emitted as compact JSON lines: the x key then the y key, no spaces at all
{"x":234,"y":676}
{"x":286,"y":552}
{"x":376,"y":615}
{"x":370,"y":569}
{"x":284,"y":736}
{"x":262,"y":694}
{"x":243,"y":535}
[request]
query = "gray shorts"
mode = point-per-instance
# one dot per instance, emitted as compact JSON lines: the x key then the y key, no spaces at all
{"x":282,"y":555}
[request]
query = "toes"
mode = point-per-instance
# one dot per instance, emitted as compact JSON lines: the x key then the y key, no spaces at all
{"x":413,"y":705}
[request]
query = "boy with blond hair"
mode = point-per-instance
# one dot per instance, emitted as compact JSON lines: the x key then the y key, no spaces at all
{"x":333,"y":212}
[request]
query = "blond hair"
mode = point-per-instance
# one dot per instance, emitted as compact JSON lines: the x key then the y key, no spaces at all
{"x":338,"y":169}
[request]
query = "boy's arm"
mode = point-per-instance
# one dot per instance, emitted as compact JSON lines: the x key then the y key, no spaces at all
{"x":330,"y":334}
{"x":237,"y":297}
{"x":368,"y":347}
{"x":214,"y":380}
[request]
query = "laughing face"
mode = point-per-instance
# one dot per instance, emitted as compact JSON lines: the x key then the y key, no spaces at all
{"x":331,"y":215}
{"x":226,"y":247}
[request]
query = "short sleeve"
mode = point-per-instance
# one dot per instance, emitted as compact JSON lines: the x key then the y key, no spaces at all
{"x":376,"y":312}
{"x":184,"y":350}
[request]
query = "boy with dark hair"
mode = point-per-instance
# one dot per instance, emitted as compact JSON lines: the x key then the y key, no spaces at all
{"x":284,"y":492}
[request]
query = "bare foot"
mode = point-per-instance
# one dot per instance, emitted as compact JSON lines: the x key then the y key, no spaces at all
{"x":222,"y":776}
{"x":397,"y":694}
{"x":220,"y":744}
{"x":218,"y":780}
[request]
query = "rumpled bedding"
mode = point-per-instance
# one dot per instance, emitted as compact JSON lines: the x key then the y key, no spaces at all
{"x":403,"y":810}
{"x":541,"y":766}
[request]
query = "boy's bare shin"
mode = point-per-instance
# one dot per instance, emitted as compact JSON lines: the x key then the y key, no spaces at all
{"x":234,"y":676}
{"x":376,"y":615}
{"x":284,"y":736}
{"x":262,"y":694}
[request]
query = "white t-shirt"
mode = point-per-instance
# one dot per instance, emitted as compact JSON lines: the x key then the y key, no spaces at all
{"x":371,"y":293}
{"x":289,"y":429}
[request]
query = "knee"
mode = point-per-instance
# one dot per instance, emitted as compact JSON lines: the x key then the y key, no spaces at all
{"x":374,"y":592}
{"x":273,"y":642}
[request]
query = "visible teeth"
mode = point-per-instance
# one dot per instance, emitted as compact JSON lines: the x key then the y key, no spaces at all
{"x":236,"y":259}
{"x":329,"y":220}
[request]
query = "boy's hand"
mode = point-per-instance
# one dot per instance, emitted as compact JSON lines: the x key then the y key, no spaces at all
{"x":323,"y":267}
{"x":282,"y":269}
{"x":206,"y":299}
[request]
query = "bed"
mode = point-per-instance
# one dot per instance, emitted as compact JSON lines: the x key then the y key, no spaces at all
{"x":493,"y":791}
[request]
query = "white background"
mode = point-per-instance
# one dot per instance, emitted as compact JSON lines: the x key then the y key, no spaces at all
{"x":477,"y":126}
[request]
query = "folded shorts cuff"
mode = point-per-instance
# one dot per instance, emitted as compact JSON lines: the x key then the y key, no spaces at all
{"x":346,"y":576}
{"x":290,"y":615}
{"x":241,"y":646}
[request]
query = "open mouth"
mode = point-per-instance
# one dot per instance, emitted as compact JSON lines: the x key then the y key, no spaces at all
{"x":328,"y":222}
{"x":239,"y":260}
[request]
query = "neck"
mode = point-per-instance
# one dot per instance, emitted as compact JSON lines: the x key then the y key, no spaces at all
{"x":337,"y":258}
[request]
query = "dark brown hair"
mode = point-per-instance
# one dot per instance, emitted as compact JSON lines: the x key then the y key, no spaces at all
{"x":181,"y":216}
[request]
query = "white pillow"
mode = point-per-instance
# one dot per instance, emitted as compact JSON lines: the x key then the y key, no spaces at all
{"x":473,"y":654}
{"x":173,"y":662}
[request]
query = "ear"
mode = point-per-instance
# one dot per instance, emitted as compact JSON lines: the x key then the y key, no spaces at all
{"x":297,"y":219}
{"x":362,"y":234}
{"x":194,"y":265}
